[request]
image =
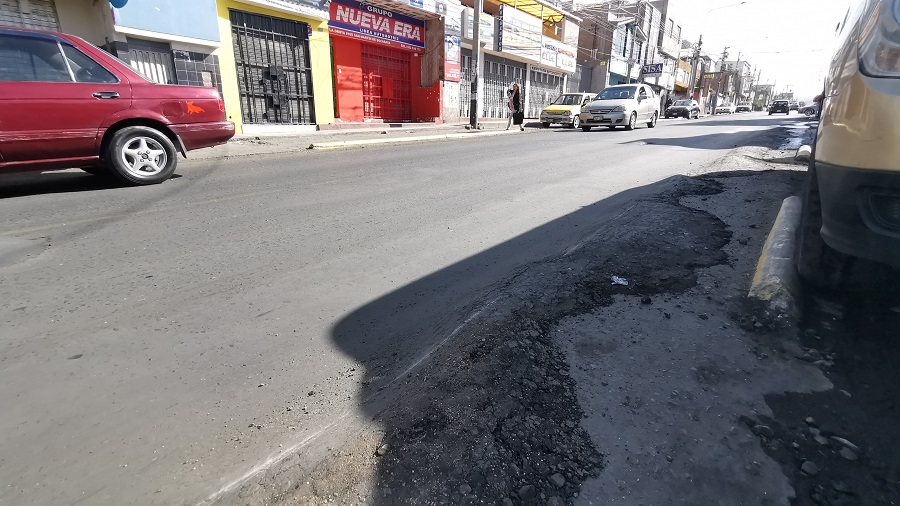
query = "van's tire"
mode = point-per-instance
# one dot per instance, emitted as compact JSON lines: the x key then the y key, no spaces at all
{"x":652,"y":122}
{"x":632,"y":121}
{"x":545,"y":124}
{"x":141,"y":155}
{"x":585,"y":129}
{"x":817,"y":263}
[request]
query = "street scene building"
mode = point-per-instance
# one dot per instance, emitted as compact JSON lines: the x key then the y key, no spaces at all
{"x":295,"y":65}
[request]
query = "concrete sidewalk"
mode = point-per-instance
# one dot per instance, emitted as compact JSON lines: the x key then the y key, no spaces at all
{"x":363,"y":134}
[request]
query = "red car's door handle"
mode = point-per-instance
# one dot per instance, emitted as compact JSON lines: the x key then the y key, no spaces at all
{"x":106,"y":94}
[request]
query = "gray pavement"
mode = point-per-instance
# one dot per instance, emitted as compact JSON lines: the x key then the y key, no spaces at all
{"x":166,"y":342}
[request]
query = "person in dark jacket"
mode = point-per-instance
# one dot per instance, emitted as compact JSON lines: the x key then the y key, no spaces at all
{"x":515,"y":107}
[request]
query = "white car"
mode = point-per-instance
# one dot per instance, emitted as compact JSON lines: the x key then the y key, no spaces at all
{"x":621,"y":105}
{"x":724,"y":109}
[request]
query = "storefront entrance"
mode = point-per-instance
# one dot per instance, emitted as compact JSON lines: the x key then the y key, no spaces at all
{"x":498,"y":75}
{"x":273,"y":68}
{"x":386,"y":83}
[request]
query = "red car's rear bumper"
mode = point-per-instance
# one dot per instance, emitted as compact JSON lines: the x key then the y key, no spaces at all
{"x":203,"y":135}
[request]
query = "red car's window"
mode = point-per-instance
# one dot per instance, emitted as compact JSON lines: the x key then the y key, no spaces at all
{"x":31,"y":59}
{"x":87,"y":70}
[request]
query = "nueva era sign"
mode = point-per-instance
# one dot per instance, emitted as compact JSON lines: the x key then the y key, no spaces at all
{"x":369,"y":23}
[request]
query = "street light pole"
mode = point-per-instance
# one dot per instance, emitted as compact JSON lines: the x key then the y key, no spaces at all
{"x":475,"y":102}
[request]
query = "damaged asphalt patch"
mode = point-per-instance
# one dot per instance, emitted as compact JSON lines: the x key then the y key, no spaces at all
{"x":570,"y":388}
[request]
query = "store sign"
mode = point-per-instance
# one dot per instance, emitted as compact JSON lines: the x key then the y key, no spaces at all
{"x":558,"y":55}
{"x":451,"y":58}
{"x":520,"y":33}
{"x":487,"y":23}
{"x":652,"y":69}
{"x":565,"y":57}
{"x":549,"y":52}
{"x":357,"y":20}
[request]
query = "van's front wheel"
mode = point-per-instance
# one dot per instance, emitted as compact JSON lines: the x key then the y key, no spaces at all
{"x":817,"y":263}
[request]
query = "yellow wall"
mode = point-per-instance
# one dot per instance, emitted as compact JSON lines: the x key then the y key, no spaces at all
{"x":319,"y":56}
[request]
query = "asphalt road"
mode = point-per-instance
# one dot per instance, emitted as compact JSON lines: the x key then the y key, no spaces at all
{"x":160,"y":343}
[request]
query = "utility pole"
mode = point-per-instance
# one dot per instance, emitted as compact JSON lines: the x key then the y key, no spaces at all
{"x":475,"y":102}
{"x":695,"y":62}
{"x":719,"y":81}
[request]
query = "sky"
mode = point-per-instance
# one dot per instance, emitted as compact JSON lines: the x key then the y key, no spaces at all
{"x":789,"y":40}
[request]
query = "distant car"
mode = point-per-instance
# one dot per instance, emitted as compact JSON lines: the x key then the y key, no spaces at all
{"x":621,"y":105}
{"x":780,"y":106}
{"x":851,"y":201}
{"x":689,"y":109}
{"x":724,"y":109}
{"x":565,"y":109}
{"x":794,"y":106}
{"x":809,"y":110}
{"x":743,"y":107}
{"x":65,"y":103}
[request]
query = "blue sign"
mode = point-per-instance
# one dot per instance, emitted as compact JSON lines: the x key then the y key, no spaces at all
{"x":652,"y":68}
{"x":417,"y":3}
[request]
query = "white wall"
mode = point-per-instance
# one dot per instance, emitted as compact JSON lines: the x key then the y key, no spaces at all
{"x":87,"y":19}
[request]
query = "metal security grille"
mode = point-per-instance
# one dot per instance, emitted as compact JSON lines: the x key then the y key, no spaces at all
{"x":386,"y":87}
{"x":273,"y":68}
{"x":544,"y":89}
{"x":499,"y":74}
{"x":153,"y":59}
{"x":37,"y":14}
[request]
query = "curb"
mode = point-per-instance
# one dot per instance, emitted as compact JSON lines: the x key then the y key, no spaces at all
{"x":417,"y":138}
{"x":776,"y":283}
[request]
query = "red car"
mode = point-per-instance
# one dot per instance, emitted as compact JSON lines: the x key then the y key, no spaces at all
{"x":65,"y":103}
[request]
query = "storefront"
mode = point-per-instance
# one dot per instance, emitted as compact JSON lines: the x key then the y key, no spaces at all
{"x":378,"y":60}
{"x":275,"y":63}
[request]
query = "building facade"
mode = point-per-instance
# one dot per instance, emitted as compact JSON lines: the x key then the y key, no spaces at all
{"x":389,"y":61}
{"x":169,"y":41}
{"x":276,"y":65}
{"x":530,"y":42}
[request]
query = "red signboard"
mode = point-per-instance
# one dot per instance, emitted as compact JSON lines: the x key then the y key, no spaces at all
{"x":377,"y":25}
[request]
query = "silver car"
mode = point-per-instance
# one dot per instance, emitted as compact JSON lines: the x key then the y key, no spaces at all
{"x":621,"y":105}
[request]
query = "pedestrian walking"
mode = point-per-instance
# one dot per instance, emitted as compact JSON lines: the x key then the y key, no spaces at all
{"x":516,"y":114}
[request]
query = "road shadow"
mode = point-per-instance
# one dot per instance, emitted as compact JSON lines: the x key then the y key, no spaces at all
{"x":24,"y":184}
{"x":473,"y":394}
{"x":779,"y":137}
{"x":849,"y":432}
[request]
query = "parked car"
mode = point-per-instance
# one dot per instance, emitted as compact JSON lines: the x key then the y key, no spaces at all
{"x":744,"y":107}
{"x":851,"y":202}
{"x":621,"y":105}
{"x":689,"y":109}
{"x":809,"y":110}
{"x":794,"y":106}
{"x":724,"y":109}
{"x":565,"y":109}
{"x":780,"y":106}
{"x":65,"y":103}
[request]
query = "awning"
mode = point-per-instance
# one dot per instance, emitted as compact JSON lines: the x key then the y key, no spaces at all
{"x":542,"y":10}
